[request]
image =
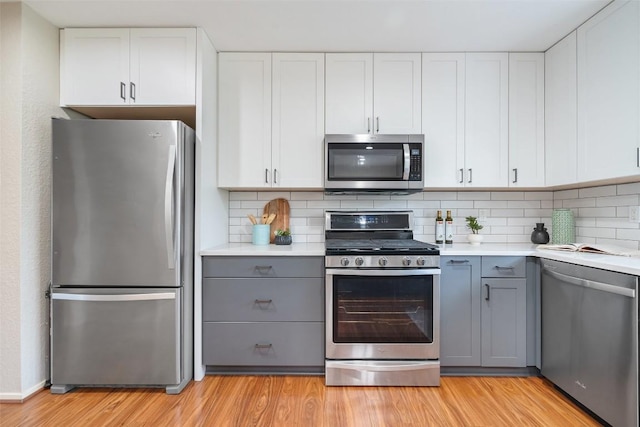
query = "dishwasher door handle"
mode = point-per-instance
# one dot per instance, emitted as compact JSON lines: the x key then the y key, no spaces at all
{"x":591,"y":284}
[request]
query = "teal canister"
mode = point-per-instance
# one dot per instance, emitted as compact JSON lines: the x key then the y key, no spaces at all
{"x":261,"y":234}
{"x":563,"y":227}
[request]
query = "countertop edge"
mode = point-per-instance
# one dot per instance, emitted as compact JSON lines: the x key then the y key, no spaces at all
{"x":628,"y":265}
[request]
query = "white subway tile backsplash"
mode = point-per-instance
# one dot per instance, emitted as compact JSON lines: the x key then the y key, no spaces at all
{"x":601,"y":213}
{"x":608,"y":190}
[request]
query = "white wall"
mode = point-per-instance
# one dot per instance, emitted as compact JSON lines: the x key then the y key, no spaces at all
{"x":30,"y":93}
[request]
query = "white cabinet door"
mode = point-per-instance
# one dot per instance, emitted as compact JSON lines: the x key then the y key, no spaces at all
{"x":94,"y":66}
{"x":349,"y":93}
{"x":526,"y":119}
{"x":244,"y":120}
{"x":443,"y":118}
{"x":163,"y":66}
{"x":561,"y":112}
{"x":486,"y":120}
{"x":298,"y":120}
{"x":397,"y":93}
{"x":609,"y":93}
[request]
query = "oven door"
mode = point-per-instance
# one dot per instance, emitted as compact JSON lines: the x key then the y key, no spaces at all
{"x":383,"y":314}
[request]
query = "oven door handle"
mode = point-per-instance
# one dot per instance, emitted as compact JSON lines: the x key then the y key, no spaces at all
{"x":378,"y":272}
{"x":359,"y":365}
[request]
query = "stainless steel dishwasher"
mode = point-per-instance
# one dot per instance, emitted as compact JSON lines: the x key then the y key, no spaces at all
{"x":590,"y":338}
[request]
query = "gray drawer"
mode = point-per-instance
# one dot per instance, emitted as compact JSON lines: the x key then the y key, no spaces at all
{"x":263,"y":344}
{"x":263,"y":266}
{"x":504,"y":266}
{"x":259,"y":300}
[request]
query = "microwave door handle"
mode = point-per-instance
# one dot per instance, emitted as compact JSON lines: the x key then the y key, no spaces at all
{"x":407,"y":162}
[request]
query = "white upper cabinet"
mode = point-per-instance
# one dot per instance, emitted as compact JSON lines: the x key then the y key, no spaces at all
{"x":561,"y":112}
{"x":298,"y":120}
{"x":526,"y":119}
{"x":244,"y":120}
{"x":373,"y":93}
{"x":349,"y":92}
{"x":609,"y":93}
{"x":486,"y":157}
{"x":465,"y":119}
{"x":443,"y":83}
{"x":121,"y":66}
{"x":271,"y":120}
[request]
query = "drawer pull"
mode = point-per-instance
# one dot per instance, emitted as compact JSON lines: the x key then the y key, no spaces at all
{"x":497,"y":267}
{"x":262,"y":302}
{"x":458,"y":261}
{"x":262,"y":269}
{"x":263,"y":346}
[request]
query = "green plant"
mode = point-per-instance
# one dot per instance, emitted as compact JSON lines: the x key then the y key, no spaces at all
{"x":283,"y":232}
{"x":472,"y":224}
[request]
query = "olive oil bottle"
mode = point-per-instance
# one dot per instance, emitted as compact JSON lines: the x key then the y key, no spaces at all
{"x":448,"y":228}
{"x":439,"y":229}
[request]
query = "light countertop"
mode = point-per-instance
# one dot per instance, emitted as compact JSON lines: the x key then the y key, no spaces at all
{"x":629,"y":265}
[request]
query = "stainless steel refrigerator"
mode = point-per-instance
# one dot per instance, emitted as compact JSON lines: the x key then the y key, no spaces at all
{"x":122,"y":254}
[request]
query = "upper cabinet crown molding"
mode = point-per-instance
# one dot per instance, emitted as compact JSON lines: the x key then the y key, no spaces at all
{"x":373,"y":93}
{"x":122,"y":66}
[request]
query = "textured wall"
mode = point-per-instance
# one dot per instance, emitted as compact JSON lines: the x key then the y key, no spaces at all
{"x":10,"y":183}
{"x":30,"y":81}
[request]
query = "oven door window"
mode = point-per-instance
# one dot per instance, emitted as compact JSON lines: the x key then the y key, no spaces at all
{"x":383,"y":309}
{"x":366,"y":162}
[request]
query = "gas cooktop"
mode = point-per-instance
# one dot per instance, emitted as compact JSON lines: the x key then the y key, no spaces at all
{"x":380,"y":247}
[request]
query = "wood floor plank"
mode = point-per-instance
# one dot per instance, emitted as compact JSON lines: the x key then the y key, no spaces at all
{"x":290,"y":401}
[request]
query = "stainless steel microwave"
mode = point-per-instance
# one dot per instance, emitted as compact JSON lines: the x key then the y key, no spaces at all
{"x":373,"y":164}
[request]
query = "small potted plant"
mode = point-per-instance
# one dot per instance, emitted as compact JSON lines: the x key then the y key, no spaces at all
{"x":472,"y":224}
{"x":283,"y":237}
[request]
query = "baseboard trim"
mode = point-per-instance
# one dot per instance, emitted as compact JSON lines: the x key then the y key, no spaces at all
{"x":21,"y":397}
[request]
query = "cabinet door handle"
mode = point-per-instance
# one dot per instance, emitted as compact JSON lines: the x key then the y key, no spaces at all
{"x":262,"y":302}
{"x":515,"y":175}
{"x":132,"y":90}
{"x":470,"y":176}
{"x":461,"y":175}
{"x":488,"y":288}
{"x":275,"y":176}
{"x":266,"y":176}
{"x":263,"y":346}
{"x":123,"y":89}
{"x":377,"y":124}
{"x":368,"y":124}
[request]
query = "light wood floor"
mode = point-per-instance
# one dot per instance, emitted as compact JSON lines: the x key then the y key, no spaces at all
{"x":306,"y":402}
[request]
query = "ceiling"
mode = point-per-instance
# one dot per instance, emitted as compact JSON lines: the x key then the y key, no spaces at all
{"x":342,"y":25}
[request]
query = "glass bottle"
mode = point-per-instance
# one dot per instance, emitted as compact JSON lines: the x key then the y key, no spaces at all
{"x":448,"y":228}
{"x":439,"y":228}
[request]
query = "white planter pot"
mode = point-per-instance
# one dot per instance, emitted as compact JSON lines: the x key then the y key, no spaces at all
{"x":475,"y":239}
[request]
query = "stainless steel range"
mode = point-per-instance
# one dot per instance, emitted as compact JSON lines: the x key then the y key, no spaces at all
{"x":382,"y":301}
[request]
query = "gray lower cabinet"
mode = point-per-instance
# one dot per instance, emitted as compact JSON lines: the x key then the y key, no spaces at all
{"x":483,"y":311}
{"x":263,"y":314}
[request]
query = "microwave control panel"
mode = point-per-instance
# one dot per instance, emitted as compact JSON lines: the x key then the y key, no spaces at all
{"x":415,"y":165}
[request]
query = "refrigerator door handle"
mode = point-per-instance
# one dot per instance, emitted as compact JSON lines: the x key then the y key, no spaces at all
{"x":120,"y":297}
{"x":168,"y":208}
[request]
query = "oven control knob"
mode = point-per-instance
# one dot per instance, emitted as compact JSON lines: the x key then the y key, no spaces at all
{"x":359,"y":261}
{"x":406,"y":261}
{"x":420,"y":261}
{"x":383,"y":261}
{"x":344,"y":262}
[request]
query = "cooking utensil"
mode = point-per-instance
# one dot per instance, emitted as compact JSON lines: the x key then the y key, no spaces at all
{"x":264,"y":218}
{"x":253,"y":219}
{"x":271,"y":218}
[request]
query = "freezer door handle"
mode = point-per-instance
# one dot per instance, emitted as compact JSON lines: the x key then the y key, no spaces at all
{"x":119,"y":297}
{"x":168,"y":208}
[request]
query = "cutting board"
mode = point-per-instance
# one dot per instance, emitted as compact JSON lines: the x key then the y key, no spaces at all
{"x":280,"y":207}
